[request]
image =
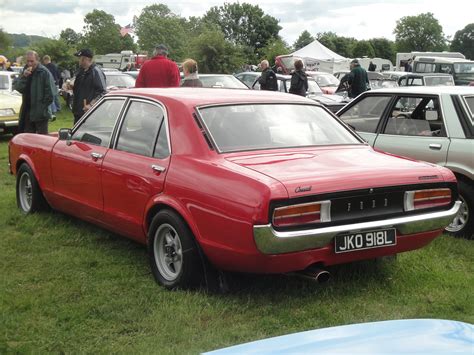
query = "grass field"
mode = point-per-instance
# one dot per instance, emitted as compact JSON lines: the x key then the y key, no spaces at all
{"x":69,"y":287}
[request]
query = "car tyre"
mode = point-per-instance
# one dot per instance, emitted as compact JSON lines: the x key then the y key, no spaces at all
{"x":29,"y":197}
{"x":463,"y":223}
{"x":174,"y":256}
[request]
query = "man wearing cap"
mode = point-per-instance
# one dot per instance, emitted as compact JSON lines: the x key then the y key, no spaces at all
{"x":357,"y":79}
{"x":89,"y":84}
{"x":36,"y":85}
{"x":159,"y":72}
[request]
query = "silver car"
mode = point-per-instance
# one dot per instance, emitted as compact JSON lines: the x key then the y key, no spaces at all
{"x":434,"y":124}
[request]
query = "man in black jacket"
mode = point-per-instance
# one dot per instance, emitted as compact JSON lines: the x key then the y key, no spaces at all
{"x":299,"y":80}
{"x":53,"y":69}
{"x":89,"y":84}
{"x":358,"y":79}
{"x":267,"y":80}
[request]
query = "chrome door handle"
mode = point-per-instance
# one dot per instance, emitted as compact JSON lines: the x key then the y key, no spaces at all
{"x":436,"y":146}
{"x":158,"y":168}
{"x":96,"y":156}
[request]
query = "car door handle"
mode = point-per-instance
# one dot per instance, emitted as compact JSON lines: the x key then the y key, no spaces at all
{"x":436,"y":146}
{"x":96,"y":156}
{"x":158,"y":168}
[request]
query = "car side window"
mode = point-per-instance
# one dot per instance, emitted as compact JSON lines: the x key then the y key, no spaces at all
{"x":469,"y":100}
{"x":365,"y":115}
{"x":162,"y":148}
{"x":416,"y":116}
{"x":140,"y":128}
{"x":99,"y":125}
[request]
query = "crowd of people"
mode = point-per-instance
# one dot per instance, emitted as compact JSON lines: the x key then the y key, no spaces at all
{"x":39,"y":83}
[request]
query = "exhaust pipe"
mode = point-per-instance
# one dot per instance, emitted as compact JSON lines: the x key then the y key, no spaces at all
{"x":314,"y":273}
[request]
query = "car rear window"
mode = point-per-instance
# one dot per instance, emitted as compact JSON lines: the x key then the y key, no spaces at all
{"x":270,"y":126}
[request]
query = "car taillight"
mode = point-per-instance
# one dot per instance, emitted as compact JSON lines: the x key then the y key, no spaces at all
{"x":419,"y":199}
{"x":306,"y":213}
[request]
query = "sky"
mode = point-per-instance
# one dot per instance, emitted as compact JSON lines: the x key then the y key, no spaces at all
{"x":361,"y":19}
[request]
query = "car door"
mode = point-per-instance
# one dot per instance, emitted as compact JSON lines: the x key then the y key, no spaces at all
{"x":135,"y":169}
{"x":76,"y":163}
{"x":415,"y":128}
{"x":365,"y":115}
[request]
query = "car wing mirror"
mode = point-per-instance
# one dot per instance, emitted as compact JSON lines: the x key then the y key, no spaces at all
{"x":64,"y":134}
{"x":431,"y":115}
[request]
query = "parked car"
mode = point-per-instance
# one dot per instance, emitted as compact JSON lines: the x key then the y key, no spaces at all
{"x":394,"y":75}
{"x":220,"y":81}
{"x":6,"y":80}
{"x":326,"y":81}
{"x":117,"y":80}
{"x":233,"y":180}
{"x":434,"y":124}
{"x":133,"y":73}
{"x":426,"y":79}
{"x":332,"y":102}
{"x":10,"y":104}
{"x":248,"y":77}
{"x":407,"y":336}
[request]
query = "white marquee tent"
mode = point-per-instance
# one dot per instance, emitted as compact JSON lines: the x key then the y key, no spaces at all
{"x":320,"y":58}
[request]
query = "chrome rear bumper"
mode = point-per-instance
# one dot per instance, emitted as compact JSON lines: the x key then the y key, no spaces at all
{"x":270,"y":241}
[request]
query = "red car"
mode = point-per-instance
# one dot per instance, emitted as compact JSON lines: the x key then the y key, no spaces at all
{"x":232,"y":180}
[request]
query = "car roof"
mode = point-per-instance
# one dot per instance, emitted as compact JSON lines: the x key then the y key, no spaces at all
{"x":428,"y":74}
{"x":432,"y":90}
{"x":192,"y":97}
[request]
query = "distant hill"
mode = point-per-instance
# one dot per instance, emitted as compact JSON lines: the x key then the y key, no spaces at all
{"x":22,"y":40}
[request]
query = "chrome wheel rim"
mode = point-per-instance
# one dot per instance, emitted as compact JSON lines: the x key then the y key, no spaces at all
{"x":168,"y":252}
{"x":460,"y":221}
{"x":25,"y":192}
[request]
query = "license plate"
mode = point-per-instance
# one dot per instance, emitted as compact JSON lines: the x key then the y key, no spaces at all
{"x":365,"y":240}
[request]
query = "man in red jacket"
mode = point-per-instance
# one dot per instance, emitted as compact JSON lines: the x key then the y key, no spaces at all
{"x":159,"y":72}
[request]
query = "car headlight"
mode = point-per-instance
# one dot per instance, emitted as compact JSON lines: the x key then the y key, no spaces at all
{"x":306,"y":213}
{"x":7,"y":112}
{"x":420,"y":199}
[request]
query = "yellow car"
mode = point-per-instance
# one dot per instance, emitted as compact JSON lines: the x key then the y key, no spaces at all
{"x":10,"y":104}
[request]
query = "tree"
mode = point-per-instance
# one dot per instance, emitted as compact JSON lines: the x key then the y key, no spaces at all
{"x":214,"y":53}
{"x":463,"y":41}
{"x":5,"y":41}
{"x":244,"y":24}
{"x":70,"y":37}
{"x":383,"y":48}
{"x":341,"y":45}
{"x":157,"y":24}
{"x":421,"y":33}
{"x":101,"y":33}
{"x":363,"y":49}
{"x":303,"y":40}
{"x":274,"y":48}
{"x":59,"y":51}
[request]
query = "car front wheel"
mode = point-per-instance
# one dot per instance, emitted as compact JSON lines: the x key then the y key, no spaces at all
{"x":28,"y":193}
{"x":173,"y":253}
{"x":463,"y":223}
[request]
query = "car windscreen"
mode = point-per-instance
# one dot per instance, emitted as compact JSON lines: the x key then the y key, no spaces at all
{"x":222,"y":81}
{"x":272,"y":126}
{"x":4,"y":82}
{"x":313,"y":87}
{"x":120,"y":81}
{"x":439,"y":81}
{"x":326,"y":80}
{"x":464,"y":68}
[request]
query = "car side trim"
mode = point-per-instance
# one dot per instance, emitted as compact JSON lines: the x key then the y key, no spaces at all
{"x":271,"y":241}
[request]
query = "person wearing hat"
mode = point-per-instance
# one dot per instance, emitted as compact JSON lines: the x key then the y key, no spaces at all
{"x":158,"y":72}
{"x":89,"y":84}
{"x":358,"y":79}
{"x":37,"y":87}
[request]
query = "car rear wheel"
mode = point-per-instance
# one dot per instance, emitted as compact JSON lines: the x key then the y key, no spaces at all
{"x":463,"y":223}
{"x":28,"y":193}
{"x":173,"y":253}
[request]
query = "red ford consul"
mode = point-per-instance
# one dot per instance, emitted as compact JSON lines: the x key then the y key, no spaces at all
{"x":232,"y":180}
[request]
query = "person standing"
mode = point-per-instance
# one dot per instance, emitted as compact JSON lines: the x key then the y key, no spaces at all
{"x":299,"y":80}
{"x":408,"y":67}
{"x":358,"y":79}
{"x":53,"y":69}
{"x":268,"y":79}
{"x":36,"y":86}
{"x":191,"y":77}
{"x":89,"y":84}
{"x":159,"y":72}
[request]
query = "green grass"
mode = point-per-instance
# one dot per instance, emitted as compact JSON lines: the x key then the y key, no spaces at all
{"x":67,"y":286}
